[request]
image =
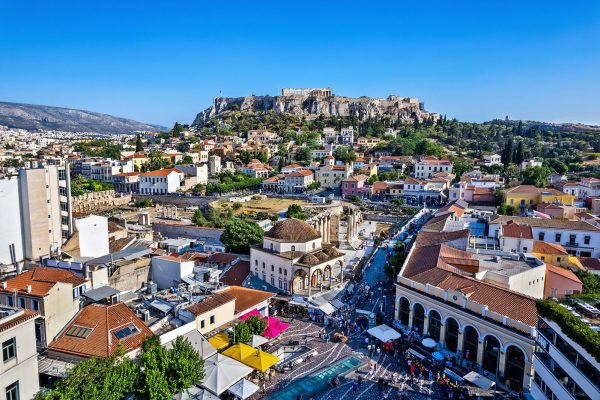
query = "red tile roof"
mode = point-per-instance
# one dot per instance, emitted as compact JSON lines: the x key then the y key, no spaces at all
{"x":530,"y":189}
{"x":245,"y":298}
{"x":548,"y":248}
{"x":565,"y":273}
{"x":16,"y":321}
{"x":210,"y":303}
{"x":161,"y":172}
{"x":41,"y":280}
{"x":104,"y":321}
{"x":516,"y":230}
{"x":236,"y":275}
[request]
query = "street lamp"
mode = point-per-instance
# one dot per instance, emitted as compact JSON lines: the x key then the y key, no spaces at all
{"x":383,"y":305}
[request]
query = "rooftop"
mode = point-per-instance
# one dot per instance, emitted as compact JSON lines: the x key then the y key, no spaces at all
{"x":245,"y":298}
{"x":546,"y":223}
{"x":292,"y":230}
{"x":40,"y":280}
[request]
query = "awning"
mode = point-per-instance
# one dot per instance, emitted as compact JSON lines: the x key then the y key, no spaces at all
{"x":384,"y":333}
{"x":479,"y":380}
{"x":253,"y":313}
{"x":219,"y":341}
{"x":195,"y":393}
{"x":199,"y":342}
{"x":221,"y":372}
{"x":274,"y":327}
{"x":258,"y":340}
{"x":243,"y":389}
{"x":261,"y":360}
{"x":54,"y":367}
{"x":416,"y":354}
{"x":327,"y":308}
{"x":239,"y":351}
{"x":337,"y":304}
{"x":429,"y":343}
{"x":453,"y":375}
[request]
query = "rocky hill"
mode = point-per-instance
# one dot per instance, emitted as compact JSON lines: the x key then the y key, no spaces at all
{"x":29,"y":116}
{"x":393,"y":108}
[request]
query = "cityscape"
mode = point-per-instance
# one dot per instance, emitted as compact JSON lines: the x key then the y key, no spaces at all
{"x":312,"y":244}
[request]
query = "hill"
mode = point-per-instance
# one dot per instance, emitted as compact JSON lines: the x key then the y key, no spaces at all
{"x":310,"y":106}
{"x":30,"y":116}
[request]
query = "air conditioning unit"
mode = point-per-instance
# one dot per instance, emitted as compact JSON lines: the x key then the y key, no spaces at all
{"x":145,"y":315}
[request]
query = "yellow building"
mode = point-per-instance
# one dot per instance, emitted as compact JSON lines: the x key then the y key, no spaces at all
{"x":138,"y":159}
{"x":555,"y":254}
{"x":528,"y":196}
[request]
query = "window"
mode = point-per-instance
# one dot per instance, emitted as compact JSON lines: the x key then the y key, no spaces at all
{"x":256,"y":262}
{"x":9,"y":349}
{"x":285,"y":272}
{"x":541,"y":236}
{"x":293,"y":248}
{"x":75,"y":293}
{"x":12,"y":391}
{"x":9,"y":301}
{"x":202,"y":324}
{"x":77,"y":331}
{"x":557,"y":238}
{"x":22,"y":302}
{"x":263,"y":265}
{"x":35,"y":305}
{"x":271,"y":246}
{"x":586,"y":239}
{"x":272,"y":268}
{"x":127,"y":331}
{"x":572,"y":239}
{"x":212,"y":319}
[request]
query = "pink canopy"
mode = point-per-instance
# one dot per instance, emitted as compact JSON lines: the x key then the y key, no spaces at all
{"x":249,"y":314}
{"x":274,"y":327}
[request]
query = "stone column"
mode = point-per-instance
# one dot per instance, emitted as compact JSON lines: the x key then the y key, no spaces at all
{"x":426,"y":325}
{"x":328,"y":229}
{"x":502,"y":363}
{"x":459,"y":345}
{"x":527,"y":374}
{"x":411,"y":313}
{"x":442,"y":340}
{"x":480,"y":351}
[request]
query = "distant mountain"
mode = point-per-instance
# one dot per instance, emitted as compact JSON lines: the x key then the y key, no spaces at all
{"x":30,"y":116}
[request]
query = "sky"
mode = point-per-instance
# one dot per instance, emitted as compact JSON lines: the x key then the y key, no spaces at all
{"x":164,"y":61}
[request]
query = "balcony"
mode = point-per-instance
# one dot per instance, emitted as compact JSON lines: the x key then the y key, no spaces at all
{"x":571,"y":244}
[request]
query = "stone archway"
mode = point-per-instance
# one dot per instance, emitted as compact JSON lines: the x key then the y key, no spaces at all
{"x":470,"y":343}
{"x":451,"y":337}
{"x":418,"y":318}
{"x":300,"y":281}
{"x":514,"y":369}
{"x":435,"y":325}
{"x":404,"y":311}
{"x":327,"y":273}
{"x":317,"y":278}
{"x":491,"y":354}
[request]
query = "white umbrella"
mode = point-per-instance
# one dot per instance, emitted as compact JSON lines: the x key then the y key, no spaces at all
{"x":258,"y":340}
{"x":243,"y":389}
{"x":220,"y":372}
{"x":195,"y":393}
{"x":384,"y":333}
{"x":429,"y":343}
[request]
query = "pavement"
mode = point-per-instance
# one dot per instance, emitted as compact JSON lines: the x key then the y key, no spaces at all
{"x":328,"y":352}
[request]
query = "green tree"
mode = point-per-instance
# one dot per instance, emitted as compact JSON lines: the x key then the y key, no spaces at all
{"x":111,"y":378}
{"x":303,"y":154}
{"x":186,"y":366}
{"x":177,"y":129}
{"x":537,"y":176}
{"x":139,"y":146}
{"x":520,"y":152}
{"x":241,"y":333}
{"x":462,"y":165}
{"x":591,"y":282}
{"x":187,"y":159}
{"x":198,"y":218}
{"x":314,"y":185}
{"x":345,"y":155}
{"x":256,"y":324}
{"x":240,"y":234}
{"x":295,"y":211}
{"x":508,"y":152}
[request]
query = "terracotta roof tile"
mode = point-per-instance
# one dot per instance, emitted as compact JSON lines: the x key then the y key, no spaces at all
{"x":104,"y":321}
{"x":245,"y":298}
{"x":546,"y":223}
{"x":565,"y":273}
{"x":161,"y":172}
{"x":548,"y":248}
{"x":41,"y":280}
{"x":515,"y":230}
{"x":236,"y":275}
{"x":16,"y":321}
{"x":210,"y":303}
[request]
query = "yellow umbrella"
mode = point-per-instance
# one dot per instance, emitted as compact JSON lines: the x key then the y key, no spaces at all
{"x":219,"y":341}
{"x":261,"y":360}
{"x":239,"y":351}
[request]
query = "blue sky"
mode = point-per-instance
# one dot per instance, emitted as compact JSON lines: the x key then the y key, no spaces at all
{"x":163,"y":62}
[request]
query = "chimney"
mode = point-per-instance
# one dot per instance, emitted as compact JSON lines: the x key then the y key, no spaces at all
{"x":28,"y":288}
{"x":4,"y":285}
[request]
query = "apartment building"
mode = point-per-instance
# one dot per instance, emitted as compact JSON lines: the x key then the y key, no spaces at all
{"x":161,"y":181}
{"x":36,"y":210}
{"x":331,"y":175}
{"x":53,"y":293}
{"x":427,"y":166}
{"x":563,"y":368}
{"x":19,"y":366}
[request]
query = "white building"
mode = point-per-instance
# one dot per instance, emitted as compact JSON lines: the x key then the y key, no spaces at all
{"x":579,"y":238}
{"x":439,"y":295}
{"x":161,"y":181}
{"x":428,"y":166}
{"x":563,"y":368}
{"x":168,"y":271}
{"x":19,"y":366}
{"x":257,"y":169}
{"x":490,"y":159}
{"x":93,"y":236}
{"x":196,"y":174}
{"x":530,"y":163}
{"x":293,"y":258}
{"x":214,"y":164}
{"x":36,"y":210}
{"x":296,"y":182}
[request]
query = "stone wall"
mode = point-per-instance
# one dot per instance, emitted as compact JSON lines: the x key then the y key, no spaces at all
{"x":99,"y":201}
{"x":180,"y":201}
